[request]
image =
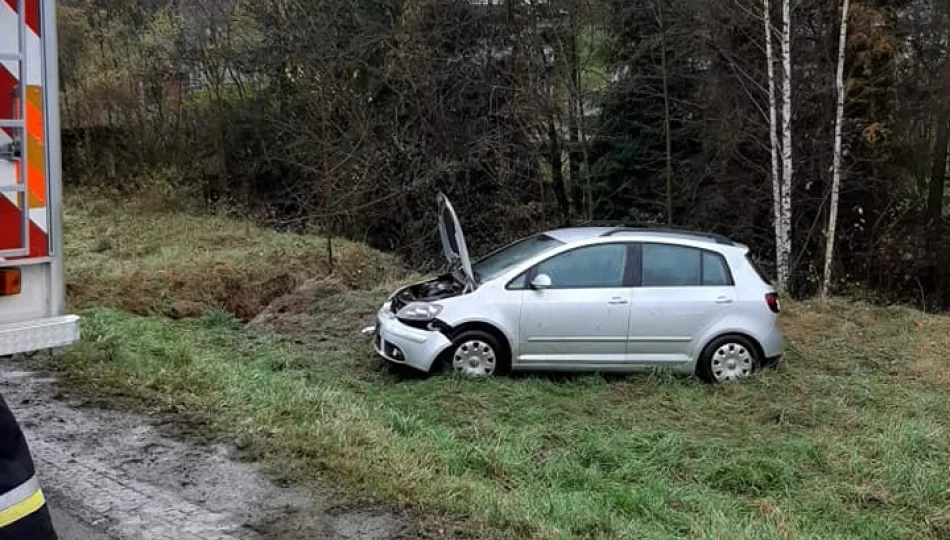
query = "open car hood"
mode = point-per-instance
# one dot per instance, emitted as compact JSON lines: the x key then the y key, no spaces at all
{"x":453,"y":241}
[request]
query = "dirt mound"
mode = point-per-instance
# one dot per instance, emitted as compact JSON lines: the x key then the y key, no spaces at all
{"x":323,"y":308}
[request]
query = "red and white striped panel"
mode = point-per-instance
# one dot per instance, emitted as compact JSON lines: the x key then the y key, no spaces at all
{"x":35,"y":141}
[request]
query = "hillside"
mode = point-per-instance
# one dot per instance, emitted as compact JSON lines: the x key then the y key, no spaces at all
{"x":848,"y":438}
{"x":147,"y":259}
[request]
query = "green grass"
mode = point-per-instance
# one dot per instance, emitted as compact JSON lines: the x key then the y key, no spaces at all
{"x":847,"y":439}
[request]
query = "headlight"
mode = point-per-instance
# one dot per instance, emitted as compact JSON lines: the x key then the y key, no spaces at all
{"x":419,"y":311}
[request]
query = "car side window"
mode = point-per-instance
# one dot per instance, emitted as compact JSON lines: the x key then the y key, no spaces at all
{"x":671,"y":266}
{"x":519,"y":283}
{"x":599,"y":266}
{"x":667,"y":265}
{"x":715,"y":270}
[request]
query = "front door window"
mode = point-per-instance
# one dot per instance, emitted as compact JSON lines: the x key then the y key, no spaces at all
{"x":600,"y":266}
{"x":583,"y":317}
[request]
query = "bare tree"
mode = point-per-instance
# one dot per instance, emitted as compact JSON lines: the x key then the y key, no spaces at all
{"x":666,"y":113}
{"x":574,"y":115}
{"x":836,"y":166}
{"x":933,"y":212}
{"x":938,"y":172}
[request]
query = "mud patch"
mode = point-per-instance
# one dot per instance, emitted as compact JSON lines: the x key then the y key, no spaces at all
{"x":119,"y":474}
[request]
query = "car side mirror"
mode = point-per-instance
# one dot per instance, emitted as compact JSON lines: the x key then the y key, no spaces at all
{"x":541,"y":281}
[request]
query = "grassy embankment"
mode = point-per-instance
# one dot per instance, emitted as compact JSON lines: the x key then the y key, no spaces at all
{"x":850,"y":438}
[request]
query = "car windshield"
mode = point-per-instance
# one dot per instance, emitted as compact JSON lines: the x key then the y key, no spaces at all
{"x":498,"y":262}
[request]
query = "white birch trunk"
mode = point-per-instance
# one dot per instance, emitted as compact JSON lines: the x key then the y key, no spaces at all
{"x":773,"y":139}
{"x":836,"y":166}
{"x":784,"y":246}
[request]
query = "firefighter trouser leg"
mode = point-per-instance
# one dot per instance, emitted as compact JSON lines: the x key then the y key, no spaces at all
{"x":23,"y":511}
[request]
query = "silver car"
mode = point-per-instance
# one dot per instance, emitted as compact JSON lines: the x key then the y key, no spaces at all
{"x":606,"y":299}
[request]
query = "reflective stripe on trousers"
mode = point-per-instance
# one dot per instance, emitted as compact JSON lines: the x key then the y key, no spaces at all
{"x":20,"y":502}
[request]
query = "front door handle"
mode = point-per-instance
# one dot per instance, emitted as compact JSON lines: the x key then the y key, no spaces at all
{"x":724,"y":300}
{"x":616,"y":300}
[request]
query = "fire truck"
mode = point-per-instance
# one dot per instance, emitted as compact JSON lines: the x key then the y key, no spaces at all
{"x":33,"y":314}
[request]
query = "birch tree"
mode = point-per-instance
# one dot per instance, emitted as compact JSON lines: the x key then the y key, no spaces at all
{"x":784,"y":245}
{"x":774,"y":143}
{"x":781,"y":174}
{"x":836,"y":165}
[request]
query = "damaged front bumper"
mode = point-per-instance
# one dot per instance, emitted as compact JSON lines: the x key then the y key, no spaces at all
{"x":403,"y":344}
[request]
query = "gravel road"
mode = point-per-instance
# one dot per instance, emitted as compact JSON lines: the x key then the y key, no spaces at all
{"x":112,"y":475}
{"x":69,"y":527}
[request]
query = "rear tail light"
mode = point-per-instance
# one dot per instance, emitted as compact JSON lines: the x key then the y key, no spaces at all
{"x":9,"y":281}
{"x":772,"y":300}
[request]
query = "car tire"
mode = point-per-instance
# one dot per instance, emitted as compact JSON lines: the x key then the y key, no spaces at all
{"x":728,"y":358}
{"x":477,"y":353}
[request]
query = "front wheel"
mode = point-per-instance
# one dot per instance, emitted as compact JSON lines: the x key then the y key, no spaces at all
{"x":477,"y":354}
{"x":728,"y":358}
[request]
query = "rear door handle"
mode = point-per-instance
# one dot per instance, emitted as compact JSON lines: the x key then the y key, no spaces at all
{"x":724,"y":300}
{"x":617,"y":300}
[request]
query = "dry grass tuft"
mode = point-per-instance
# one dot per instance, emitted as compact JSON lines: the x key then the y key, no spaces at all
{"x":775,"y":515}
{"x":932,"y":352}
{"x":321,"y":306}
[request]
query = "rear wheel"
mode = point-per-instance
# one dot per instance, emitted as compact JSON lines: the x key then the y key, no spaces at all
{"x":728,"y":358}
{"x":478,"y":354}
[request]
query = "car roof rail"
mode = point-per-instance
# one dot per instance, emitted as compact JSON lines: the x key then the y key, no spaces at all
{"x":599,"y":223}
{"x":718,"y":238}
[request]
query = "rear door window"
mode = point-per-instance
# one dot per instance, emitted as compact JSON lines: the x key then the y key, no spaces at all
{"x":671,"y":266}
{"x":666,"y":265}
